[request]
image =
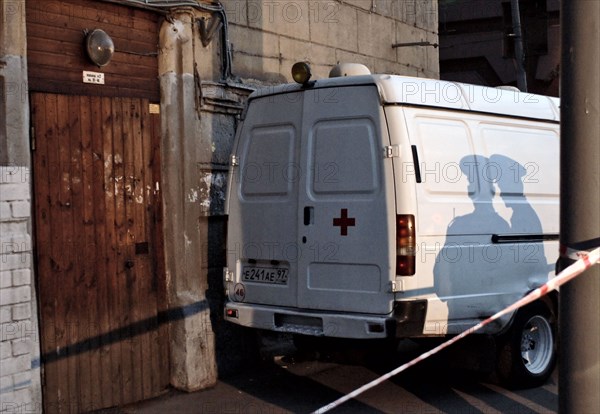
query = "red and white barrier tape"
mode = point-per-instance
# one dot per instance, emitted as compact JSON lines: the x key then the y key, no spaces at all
{"x":573,"y":254}
{"x":585,"y":261}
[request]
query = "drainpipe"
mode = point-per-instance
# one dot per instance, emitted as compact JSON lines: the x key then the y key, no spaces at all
{"x":519,"y":53}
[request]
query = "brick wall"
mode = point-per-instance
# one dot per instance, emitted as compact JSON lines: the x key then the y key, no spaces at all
{"x":19,"y":345}
{"x":269,"y":36}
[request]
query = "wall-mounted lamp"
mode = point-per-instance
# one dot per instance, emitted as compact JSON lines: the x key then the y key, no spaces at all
{"x":99,"y":47}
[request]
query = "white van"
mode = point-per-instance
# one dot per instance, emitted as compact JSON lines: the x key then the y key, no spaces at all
{"x":378,"y":206}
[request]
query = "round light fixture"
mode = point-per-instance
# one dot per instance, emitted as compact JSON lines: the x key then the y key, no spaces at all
{"x":99,"y":47}
{"x":301,"y":72}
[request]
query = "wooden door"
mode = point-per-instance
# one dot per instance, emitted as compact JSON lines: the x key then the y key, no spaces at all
{"x":98,"y":250}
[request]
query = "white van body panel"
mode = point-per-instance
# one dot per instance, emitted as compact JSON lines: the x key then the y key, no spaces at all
{"x":320,"y":174}
{"x":458,"y":213}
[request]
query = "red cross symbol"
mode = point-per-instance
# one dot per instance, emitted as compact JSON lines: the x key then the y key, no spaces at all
{"x":344,"y":222}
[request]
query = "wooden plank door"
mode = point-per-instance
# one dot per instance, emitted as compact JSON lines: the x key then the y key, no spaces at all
{"x":98,"y":249}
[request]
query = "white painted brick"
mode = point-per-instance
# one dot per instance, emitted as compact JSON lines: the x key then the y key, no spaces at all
{"x":10,"y":331}
{"x":21,"y":347}
{"x":5,"y":213}
{"x":5,"y":279}
{"x":7,"y":404}
{"x":22,"y":399}
{"x":14,"y":192}
{"x":21,"y":277}
{"x":21,"y":209}
{"x":14,"y":174}
{"x":5,"y":352}
{"x":13,"y":227}
{"x":16,"y":244}
{"x":16,"y":364}
{"x":22,"y":380}
{"x":6,"y":382}
{"x":23,"y":241}
{"x":19,"y":330}
{"x":15,"y":261}
{"x":21,"y":311}
{"x":15,"y":295}
{"x":5,"y":314}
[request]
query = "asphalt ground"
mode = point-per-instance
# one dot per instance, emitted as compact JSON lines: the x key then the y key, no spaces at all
{"x":287,"y":381}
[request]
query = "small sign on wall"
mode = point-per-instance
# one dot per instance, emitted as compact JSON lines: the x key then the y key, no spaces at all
{"x":93,"y":77}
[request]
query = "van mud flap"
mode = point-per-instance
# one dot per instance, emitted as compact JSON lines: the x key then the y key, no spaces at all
{"x":410,"y":318}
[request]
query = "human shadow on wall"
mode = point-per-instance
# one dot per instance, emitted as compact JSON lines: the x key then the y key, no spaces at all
{"x":486,"y":263}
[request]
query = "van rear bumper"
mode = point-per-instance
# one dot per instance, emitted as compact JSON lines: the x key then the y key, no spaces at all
{"x":290,"y":320}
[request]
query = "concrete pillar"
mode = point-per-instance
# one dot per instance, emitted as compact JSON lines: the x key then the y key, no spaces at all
{"x":579,"y":323}
{"x":14,"y":105}
{"x":192,"y":344}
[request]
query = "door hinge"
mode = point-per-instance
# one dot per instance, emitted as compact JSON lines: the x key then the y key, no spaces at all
{"x":391,"y":151}
{"x":234,"y":161}
{"x":396,"y":286}
{"x":227,"y":275}
{"x":32,"y":138}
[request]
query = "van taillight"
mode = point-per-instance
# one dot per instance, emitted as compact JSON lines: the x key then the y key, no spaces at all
{"x":405,"y":245}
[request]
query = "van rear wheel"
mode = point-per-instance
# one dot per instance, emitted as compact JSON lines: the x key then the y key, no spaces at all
{"x":527,"y":353}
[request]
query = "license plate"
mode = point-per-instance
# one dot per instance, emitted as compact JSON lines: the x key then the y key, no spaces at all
{"x":276,"y":276}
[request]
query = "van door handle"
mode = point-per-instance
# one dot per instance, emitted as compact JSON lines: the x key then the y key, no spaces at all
{"x":309,"y":215}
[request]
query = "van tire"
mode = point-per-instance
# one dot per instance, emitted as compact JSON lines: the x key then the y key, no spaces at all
{"x":526,"y":354}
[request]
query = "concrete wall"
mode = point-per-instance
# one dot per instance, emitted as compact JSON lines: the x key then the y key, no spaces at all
{"x":268,"y":37}
{"x":200,"y":109}
{"x":20,"y":389}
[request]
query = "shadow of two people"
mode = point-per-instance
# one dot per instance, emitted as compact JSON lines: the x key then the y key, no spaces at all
{"x":475,"y":274}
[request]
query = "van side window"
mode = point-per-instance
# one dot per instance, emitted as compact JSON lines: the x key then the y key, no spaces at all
{"x":443,"y":142}
{"x":527,"y":173}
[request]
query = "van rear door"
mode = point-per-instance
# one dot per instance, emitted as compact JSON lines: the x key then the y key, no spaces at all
{"x":345,"y":200}
{"x":262,"y":242}
{"x":311,"y":204}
